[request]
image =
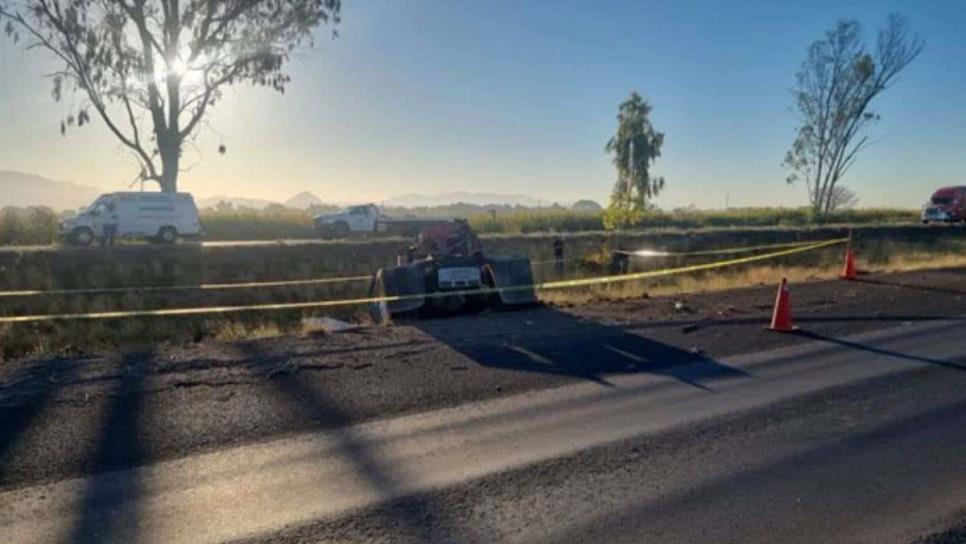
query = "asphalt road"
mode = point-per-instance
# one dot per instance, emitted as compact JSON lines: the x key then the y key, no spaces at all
{"x":849,"y":439}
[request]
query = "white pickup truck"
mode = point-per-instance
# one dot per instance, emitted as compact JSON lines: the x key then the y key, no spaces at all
{"x":366,"y":218}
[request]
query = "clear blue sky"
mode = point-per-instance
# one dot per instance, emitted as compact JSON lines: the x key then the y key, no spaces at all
{"x":520,"y":97}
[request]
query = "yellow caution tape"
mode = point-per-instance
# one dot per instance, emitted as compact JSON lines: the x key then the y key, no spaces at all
{"x":658,"y":253}
{"x":345,"y":279}
{"x":686,"y":269}
{"x":374,"y":300}
{"x":725,"y":251}
{"x":161,"y":288}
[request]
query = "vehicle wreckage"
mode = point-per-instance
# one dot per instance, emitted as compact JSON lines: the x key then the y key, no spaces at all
{"x":446,"y":272}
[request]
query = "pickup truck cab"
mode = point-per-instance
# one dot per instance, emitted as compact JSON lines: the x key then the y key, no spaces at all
{"x":360,"y":218}
{"x":367,"y":218}
{"x":946,"y":205}
{"x":157,"y":217}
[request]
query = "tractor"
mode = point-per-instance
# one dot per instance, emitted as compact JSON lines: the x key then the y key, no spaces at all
{"x":446,"y":272}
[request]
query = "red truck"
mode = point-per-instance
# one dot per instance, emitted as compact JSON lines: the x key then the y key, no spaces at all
{"x":947,"y":205}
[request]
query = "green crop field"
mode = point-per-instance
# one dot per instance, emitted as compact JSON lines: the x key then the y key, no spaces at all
{"x":38,"y":225}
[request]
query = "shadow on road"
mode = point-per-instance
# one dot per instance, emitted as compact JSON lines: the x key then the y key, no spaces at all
{"x":818,"y":483}
{"x":24,"y":396}
{"x":702,"y":323}
{"x":120,"y":444}
{"x":903,"y":285}
{"x":416,"y":519}
{"x":549,"y":341}
{"x":879,"y":351}
{"x":210,"y":363}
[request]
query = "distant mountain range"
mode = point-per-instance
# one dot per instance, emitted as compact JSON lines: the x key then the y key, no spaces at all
{"x":23,"y":189}
{"x":300,"y":201}
{"x":26,"y":189}
{"x":416,"y":200}
{"x":306,"y":199}
{"x":236,"y":201}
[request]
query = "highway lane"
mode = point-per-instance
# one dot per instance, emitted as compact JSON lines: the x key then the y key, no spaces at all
{"x":325,"y":485}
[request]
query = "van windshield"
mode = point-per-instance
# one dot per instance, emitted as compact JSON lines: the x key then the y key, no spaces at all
{"x":94,"y":205}
{"x":942,"y":200}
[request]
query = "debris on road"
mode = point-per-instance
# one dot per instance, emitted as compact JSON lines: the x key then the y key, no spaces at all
{"x":327,"y":325}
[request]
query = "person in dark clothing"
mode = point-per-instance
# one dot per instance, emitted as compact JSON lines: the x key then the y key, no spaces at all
{"x":558,"y":255}
{"x":109,"y":226}
{"x":620,"y":261}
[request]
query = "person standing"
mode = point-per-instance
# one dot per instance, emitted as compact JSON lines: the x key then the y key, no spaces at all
{"x":558,"y":255}
{"x":109,"y":228}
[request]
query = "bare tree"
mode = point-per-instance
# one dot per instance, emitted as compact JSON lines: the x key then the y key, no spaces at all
{"x":842,"y":198}
{"x":152,"y":69}
{"x":835,"y":86}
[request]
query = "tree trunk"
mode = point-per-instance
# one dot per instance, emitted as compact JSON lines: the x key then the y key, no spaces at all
{"x":828,"y":199}
{"x":170,"y":152}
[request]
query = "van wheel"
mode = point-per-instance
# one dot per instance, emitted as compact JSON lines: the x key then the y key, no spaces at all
{"x":81,"y":236}
{"x":341,"y":229}
{"x":167,"y":235}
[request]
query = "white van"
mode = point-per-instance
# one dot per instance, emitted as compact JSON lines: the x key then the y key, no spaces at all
{"x":158,"y":217}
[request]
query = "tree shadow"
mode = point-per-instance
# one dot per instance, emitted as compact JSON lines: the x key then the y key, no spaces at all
{"x":701,"y":322}
{"x":109,"y":507}
{"x":418,"y":518}
{"x":904,"y":285}
{"x":954,"y":365}
{"x":759,"y":486}
{"x":23,"y":397}
{"x":552,"y":342}
{"x":268,"y":358}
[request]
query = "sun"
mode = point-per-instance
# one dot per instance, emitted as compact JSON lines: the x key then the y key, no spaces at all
{"x":190,"y":72}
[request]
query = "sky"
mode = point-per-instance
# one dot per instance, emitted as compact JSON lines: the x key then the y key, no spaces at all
{"x":520,"y":97}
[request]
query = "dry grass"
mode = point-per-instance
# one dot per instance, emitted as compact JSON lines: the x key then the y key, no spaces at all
{"x":71,"y":337}
{"x":231,"y":331}
{"x":724,"y":279}
{"x":918,"y":261}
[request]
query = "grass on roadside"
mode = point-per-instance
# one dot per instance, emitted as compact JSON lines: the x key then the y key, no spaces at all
{"x":79,"y":336}
{"x":723,"y":279}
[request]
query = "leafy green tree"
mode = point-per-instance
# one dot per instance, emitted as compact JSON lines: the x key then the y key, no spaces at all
{"x":635,"y":147}
{"x":835,"y":86}
{"x":152,"y":69}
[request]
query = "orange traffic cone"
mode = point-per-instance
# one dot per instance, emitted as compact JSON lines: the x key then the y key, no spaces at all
{"x":781,"y":318}
{"x":848,"y":269}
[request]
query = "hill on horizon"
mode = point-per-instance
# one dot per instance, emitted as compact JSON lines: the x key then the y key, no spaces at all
{"x":304,"y":200}
{"x":22,"y":189}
